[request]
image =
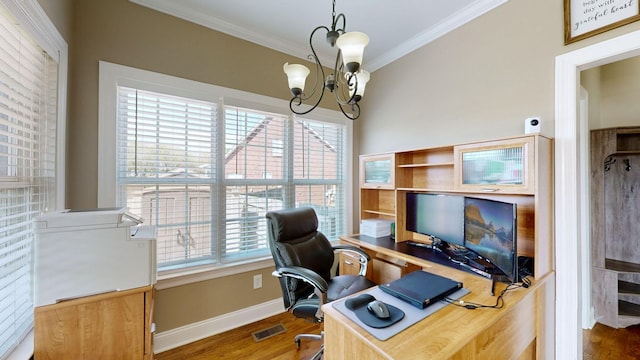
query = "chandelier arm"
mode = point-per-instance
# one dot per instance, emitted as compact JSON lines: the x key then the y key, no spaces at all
{"x":356,"y":110}
{"x":342,"y":84}
{"x":319,"y":70}
{"x":300,"y":103}
{"x":334,"y":26}
{"x":339,"y":66}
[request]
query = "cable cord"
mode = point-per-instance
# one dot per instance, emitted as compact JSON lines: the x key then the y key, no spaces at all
{"x":499,"y":301}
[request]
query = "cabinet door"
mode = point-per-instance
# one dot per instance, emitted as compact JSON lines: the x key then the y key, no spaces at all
{"x":377,"y":171}
{"x":114,"y":325}
{"x":386,"y":270}
{"x":504,"y":166}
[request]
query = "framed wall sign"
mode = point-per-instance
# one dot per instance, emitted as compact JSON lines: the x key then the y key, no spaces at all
{"x":585,"y":18}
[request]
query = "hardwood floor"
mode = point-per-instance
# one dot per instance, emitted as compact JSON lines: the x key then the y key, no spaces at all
{"x":599,"y":343}
{"x":605,"y":343}
{"x":238,"y":344}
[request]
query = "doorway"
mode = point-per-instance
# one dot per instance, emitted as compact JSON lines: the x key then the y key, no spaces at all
{"x":571,"y":235}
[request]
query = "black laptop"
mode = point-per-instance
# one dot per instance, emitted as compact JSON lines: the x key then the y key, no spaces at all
{"x":421,"y":288}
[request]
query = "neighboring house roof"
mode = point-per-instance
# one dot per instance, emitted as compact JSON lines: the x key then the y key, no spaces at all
{"x":261,"y":126}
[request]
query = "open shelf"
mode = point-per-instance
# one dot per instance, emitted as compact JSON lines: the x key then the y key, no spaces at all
{"x":626,"y":308}
{"x":425,"y":165}
{"x":621,"y":266}
{"x":626,"y":287}
{"x":383,"y":213}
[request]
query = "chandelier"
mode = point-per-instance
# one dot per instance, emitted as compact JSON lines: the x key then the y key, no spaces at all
{"x":348,"y":79}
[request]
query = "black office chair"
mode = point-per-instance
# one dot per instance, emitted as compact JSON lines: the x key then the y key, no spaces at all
{"x":304,"y":259}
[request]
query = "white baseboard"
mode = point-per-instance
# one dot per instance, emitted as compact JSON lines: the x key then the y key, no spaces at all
{"x":173,"y":338}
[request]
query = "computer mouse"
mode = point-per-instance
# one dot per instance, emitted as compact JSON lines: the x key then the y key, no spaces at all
{"x":379,"y":309}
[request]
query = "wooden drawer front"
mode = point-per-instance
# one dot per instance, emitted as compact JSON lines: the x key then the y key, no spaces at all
{"x":349,"y":264}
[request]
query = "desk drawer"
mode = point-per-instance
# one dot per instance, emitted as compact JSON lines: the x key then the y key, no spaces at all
{"x":349,"y":264}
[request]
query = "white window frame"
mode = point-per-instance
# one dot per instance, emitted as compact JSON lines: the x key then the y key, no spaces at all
{"x":113,"y":75}
{"x":34,"y":21}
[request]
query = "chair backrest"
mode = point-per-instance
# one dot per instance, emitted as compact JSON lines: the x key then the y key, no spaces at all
{"x":294,"y":240}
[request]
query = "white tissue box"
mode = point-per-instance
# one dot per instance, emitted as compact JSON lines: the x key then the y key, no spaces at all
{"x":375,"y":227}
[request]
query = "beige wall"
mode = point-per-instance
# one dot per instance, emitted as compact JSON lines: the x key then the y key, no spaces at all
{"x":60,"y":13}
{"x":620,"y":92}
{"x":591,"y":82}
{"x":192,"y":303}
{"x":613,"y":94}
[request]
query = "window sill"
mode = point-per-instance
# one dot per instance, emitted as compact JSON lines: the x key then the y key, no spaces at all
{"x":173,"y":278}
{"x":24,"y":350}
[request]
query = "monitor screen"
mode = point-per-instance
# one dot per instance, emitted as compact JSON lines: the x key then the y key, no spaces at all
{"x":441,"y":216}
{"x":490,"y":231}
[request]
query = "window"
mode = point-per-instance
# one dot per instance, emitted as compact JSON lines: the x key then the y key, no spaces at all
{"x":31,"y":119}
{"x":206,"y":172}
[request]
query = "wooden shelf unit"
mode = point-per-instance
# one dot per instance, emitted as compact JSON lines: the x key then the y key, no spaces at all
{"x":425,"y":168}
{"x":440,"y":170}
{"x":615,"y":256}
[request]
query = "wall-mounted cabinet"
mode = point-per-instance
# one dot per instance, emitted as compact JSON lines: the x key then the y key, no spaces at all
{"x":377,"y":187}
{"x":377,"y":172}
{"x":503,"y":166}
{"x":517,"y":170}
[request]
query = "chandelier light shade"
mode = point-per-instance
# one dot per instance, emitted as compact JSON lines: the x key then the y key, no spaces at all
{"x":352,"y":46}
{"x":297,"y":76}
{"x":348,"y":79}
{"x":363,"y":77}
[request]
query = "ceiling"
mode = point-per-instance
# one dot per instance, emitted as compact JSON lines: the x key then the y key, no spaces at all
{"x":395,"y":28}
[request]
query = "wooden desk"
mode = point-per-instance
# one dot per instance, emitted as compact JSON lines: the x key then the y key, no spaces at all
{"x":523,"y":329}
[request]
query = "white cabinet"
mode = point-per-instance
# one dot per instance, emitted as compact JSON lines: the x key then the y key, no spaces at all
{"x":81,"y":253}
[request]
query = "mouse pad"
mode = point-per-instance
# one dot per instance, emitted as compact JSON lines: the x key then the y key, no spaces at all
{"x":412,"y":313}
{"x":358,"y":304}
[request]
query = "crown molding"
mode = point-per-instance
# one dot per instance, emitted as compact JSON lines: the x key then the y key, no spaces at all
{"x":451,"y":23}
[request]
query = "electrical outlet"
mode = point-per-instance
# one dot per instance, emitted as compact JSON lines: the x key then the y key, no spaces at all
{"x":257,"y":281}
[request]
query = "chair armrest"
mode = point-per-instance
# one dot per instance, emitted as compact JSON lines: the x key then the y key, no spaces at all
{"x":320,"y":286}
{"x":305,"y":275}
{"x":363,"y":257}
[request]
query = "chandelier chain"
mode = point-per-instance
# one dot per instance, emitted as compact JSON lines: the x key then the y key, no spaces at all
{"x":333,"y":13}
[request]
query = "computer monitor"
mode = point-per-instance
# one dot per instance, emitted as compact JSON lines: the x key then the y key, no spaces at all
{"x":490,"y":231}
{"x":440,"y":216}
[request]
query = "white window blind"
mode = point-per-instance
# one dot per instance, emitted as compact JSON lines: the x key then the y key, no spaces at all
{"x":28,"y":98}
{"x":166,"y":169}
{"x":319,"y":173}
{"x":206,"y":173}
